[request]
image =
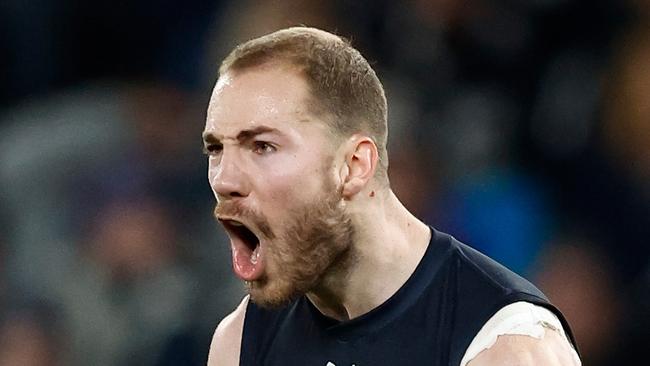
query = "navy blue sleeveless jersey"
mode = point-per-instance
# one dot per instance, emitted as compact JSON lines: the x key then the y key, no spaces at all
{"x":430,"y":320}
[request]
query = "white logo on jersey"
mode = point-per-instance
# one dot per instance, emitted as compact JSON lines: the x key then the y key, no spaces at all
{"x":332,"y":364}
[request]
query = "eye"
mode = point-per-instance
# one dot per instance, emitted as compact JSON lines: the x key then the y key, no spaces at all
{"x":263,"y":147}
{"x":212,"y":149}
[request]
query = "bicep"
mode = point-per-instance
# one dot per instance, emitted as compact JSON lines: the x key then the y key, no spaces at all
{"x":552,"y":350}
{"x":226,"y":342}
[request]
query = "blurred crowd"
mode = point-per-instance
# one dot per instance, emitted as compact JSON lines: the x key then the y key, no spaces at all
{"x":522,"y":127}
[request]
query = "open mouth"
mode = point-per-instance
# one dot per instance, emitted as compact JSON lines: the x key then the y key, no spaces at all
{"x":246,"y":250}
{"x":241,"y":231}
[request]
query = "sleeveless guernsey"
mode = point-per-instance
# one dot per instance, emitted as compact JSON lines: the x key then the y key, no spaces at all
{"x":430,"y":320}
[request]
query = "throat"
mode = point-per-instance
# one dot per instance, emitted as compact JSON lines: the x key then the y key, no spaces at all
{"x":331,"y":294}
{"x":340,"y":295}
{"x":365,"y":280}
{"x":329,"y":306}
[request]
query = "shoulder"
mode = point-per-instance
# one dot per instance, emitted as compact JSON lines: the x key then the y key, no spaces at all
{"x":521,"y":333}
{"x":226,"y":342}
{"x":516,"y":349}
{"x":478,"y":267}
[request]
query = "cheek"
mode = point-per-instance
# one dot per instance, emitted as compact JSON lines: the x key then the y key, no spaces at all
{"x":292,"y":181}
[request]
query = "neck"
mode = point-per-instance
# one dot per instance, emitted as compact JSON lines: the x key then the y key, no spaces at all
{"x":389,"y":244}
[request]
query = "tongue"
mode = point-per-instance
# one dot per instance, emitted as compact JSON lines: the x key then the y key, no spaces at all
{"x":247,"y":263}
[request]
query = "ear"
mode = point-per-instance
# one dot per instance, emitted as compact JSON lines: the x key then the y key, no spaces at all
{"x":360,"y":164}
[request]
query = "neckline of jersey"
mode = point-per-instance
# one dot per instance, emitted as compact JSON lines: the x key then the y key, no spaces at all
{"x":389,"y":311}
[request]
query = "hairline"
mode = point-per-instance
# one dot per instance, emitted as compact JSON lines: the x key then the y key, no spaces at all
{"x":315,"y":108}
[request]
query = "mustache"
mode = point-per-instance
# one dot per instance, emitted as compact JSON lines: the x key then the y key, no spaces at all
{"x":232,"y":209}
{"x":235,"y":209}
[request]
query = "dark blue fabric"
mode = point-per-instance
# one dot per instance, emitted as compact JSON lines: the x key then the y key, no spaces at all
{"x":430,"y":320}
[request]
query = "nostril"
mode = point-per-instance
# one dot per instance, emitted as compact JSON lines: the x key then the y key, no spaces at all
{"x":236,"y":194}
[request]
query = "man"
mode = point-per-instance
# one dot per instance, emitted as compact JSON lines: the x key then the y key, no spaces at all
{"x":338,"y":271}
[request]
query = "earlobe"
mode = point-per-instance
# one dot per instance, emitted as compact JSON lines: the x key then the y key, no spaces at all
{"x":361,"y":163}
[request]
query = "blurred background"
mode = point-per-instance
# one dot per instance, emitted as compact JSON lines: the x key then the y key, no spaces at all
{"x":522,"y":127}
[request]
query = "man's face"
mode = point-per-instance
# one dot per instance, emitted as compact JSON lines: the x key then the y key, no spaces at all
{"x":272,"y":170}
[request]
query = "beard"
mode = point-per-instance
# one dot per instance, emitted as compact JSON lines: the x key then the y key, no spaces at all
{"x":315,"y":241}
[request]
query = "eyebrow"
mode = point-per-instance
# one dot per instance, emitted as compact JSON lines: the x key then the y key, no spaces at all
{"x":242,"y":136}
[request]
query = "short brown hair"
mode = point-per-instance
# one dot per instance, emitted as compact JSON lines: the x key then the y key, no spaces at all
{"x":343,"y":85}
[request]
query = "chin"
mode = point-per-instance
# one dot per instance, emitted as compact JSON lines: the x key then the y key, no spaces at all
{"x":272,"y":296}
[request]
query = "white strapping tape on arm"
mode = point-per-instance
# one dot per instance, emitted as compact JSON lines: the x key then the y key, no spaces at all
{"x":519,"y":318}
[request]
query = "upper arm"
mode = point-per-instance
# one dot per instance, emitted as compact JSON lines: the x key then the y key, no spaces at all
{"x":519,"y":324}
{"x":226,"y":342}
{"x":551,"y":350}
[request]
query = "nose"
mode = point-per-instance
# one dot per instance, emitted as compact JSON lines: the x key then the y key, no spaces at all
{"x":226,"y":177}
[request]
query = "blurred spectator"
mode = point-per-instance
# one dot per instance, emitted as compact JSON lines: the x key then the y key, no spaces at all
{"x":162,"y":156}
{"x":45,"y":146}
{"x":627,"y":109}
{"x":31,"y":336}
{"x":581,"y":281}
{"x":128,"y":293}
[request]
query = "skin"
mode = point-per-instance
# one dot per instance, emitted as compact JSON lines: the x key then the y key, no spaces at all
{"x":389,"y":240}
{"x":520,"y":350}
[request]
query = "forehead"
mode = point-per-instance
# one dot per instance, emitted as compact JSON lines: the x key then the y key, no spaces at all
{"x":273,"y":96}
